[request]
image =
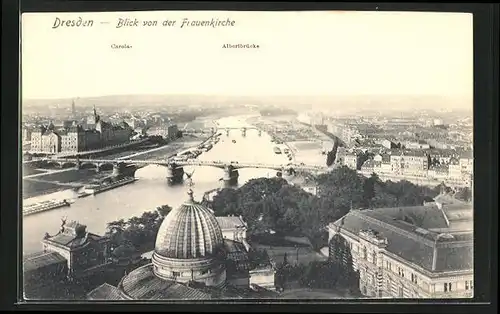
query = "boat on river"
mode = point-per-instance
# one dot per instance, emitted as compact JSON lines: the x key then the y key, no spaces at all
{"x":44,"y":206}
{"x":98,"y":188}
{"x":277,"y":150}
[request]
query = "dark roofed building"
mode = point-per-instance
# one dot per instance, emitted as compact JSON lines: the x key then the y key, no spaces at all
{"x":84,"y":252}
{"x":41,"y":270}
{"x":411,"y":252}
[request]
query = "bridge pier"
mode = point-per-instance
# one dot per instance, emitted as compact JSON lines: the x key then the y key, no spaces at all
{"x":118,"y":169}
{"x":175,"y":174}
{"x":230,"y":175}
{"x":121,"y":170}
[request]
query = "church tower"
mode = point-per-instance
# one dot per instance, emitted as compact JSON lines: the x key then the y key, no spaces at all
{"x":96,"y":116}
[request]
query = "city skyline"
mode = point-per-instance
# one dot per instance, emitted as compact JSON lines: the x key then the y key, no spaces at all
{"x":428,"y":53}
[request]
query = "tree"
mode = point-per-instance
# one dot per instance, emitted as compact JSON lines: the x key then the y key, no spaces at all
{"x":340,"y":259}
{"x":369,"y":189}
{"x":330,"y":158}
{"x":464,"y":194}
{"x":343,"y":185}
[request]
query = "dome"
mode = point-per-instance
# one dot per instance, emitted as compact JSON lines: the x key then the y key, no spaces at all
{"x":189,"y":232}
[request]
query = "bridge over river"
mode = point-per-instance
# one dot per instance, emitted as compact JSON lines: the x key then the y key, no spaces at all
{"x":175,"y":171}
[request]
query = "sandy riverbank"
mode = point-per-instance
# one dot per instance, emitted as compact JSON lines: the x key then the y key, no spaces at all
{"x":305,"y":143}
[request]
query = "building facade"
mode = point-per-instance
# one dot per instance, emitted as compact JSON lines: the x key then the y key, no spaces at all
{"x":172,"y":131}
{"x":351,"y":160}
{"x":71,"y":254}
{"x":84,"y":252}
{"x":75,"y":138}
{"x":412,"y":252}
{"x":411,"y":163}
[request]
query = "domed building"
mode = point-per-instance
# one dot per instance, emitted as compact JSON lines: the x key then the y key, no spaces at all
{"x":194,"y":259}
{"x":190,"y":247}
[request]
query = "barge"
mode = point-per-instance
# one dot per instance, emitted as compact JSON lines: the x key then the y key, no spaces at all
{"x":99,"y":188}
{"x":44,"y":206}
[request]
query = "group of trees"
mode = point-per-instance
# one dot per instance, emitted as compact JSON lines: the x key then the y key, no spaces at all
{"x":335,"y":273}
{"x":137,"y":234}
{"x":273,"y":204}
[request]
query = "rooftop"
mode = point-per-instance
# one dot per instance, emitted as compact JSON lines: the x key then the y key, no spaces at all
{"x":72,"y":235}
{"x":142,"y":284}
{"x":190,"y":231}
{"x":230,"y":222}
{"x":41,"y":260}
{"x":105,"y":292}
{"x":408,"y":236}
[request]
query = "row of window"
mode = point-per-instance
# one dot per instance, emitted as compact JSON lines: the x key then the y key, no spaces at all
{"x":448,"y":286}
{"x":176,"y":274}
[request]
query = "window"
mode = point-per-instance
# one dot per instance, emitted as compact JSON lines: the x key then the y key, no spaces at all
{"x":447,"y":287}
{"x":414,"y":278}
{"x":471,"y":285}
{"x":365,"y":254}
{"x":176,"y":274}
{"x":402,"y":273}
{"x":466,"y":285}
{"x":374,"y":258}
{"x":400,"y":292}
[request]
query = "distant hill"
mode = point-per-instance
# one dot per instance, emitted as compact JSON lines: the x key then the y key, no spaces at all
{"x":374,"y":102}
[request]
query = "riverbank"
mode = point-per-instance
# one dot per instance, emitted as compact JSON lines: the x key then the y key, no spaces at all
{"x":304,"y":142}
{"x":152,"y":190}
{"x":58,"y":181}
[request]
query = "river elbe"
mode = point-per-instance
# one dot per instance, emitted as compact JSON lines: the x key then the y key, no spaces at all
{"x":151,"y":188}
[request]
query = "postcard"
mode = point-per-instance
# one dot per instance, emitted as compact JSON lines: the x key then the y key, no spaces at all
{"x":231,"y":155}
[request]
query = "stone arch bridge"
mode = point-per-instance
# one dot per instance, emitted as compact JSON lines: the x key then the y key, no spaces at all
{"x":175,"y":168}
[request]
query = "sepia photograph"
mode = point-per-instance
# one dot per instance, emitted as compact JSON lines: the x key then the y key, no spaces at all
{"x":232,"y":155}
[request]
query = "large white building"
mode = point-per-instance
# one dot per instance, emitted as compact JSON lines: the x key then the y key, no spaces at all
{"x":411,"y":252}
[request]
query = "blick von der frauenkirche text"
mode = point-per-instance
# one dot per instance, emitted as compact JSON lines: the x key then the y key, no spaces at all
{"x":129,"y":22}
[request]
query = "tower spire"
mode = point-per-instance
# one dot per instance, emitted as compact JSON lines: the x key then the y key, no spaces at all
{"x":96,"y":117}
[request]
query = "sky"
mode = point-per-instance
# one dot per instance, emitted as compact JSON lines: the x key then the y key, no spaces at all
{"x":301,"y":53}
